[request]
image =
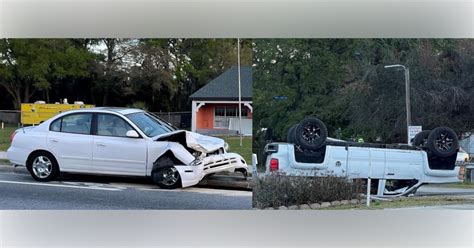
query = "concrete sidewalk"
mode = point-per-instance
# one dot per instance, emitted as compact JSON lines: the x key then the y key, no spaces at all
{"x":3,"y":155}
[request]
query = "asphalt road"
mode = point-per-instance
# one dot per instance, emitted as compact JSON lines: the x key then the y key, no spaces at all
{"x":19,"y":191}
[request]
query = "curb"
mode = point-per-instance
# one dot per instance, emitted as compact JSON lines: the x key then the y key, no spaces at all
{"x":319,"y":205}
{"x":12,"y":169}
{"x":227,"y":181}
{"x":3,"y":155}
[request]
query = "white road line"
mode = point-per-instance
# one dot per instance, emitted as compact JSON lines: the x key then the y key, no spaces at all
{"x":202,"y":191}
{"x":59,"y":185}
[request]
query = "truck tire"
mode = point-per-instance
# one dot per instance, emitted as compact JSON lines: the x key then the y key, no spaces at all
{"x":311,"y":133}
{"x":290,"y":137}
{"x":421,"y":138}
{"x":443,"y":142}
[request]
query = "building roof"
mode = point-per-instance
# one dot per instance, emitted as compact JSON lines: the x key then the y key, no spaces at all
{"x":225,"y":87}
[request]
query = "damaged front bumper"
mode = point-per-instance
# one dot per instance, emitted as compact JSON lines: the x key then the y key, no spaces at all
{"x":200,"y":155}
{"x":192,"y":174}
{"x":222,"y":162}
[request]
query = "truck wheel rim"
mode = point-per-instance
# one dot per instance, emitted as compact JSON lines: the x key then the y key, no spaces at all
{"x":311,"y":133}
{"x":170,"y":176}
{"x":444,"y":142}
{"x":42,"y":166}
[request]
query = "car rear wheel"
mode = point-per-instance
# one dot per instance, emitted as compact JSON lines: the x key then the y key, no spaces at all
{"x":443,"y":142}
{"x":167,"y":177}
{"x":43,"y":166}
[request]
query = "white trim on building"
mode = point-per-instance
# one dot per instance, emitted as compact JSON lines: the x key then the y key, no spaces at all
{"x":196,"y":105}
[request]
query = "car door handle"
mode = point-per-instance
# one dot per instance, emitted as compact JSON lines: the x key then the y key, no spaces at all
{"x":100,"y":145}
{"x":54,"y":141}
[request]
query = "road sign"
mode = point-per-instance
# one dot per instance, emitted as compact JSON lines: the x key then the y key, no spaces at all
{"x":280,"y":97}
{"x":412,"y":131}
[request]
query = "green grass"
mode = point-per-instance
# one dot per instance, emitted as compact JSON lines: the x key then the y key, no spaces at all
{"x":246,"y":149}
{"x":5,"y":137}
{"x":407,"y":202}
{"x":4,"y":161}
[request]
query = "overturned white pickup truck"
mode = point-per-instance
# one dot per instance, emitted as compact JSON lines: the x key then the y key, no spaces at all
{"x":394,"y":169}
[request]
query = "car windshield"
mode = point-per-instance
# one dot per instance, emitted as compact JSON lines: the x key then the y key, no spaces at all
{"x":150,"y":125}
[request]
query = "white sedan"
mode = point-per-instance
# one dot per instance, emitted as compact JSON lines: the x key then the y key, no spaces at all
{"x":120,"y":141}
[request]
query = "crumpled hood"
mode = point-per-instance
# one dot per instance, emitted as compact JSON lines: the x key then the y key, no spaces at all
{"x":198,"y":142}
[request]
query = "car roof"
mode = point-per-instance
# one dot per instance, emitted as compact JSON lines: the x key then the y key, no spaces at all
{"x":120,"y":110}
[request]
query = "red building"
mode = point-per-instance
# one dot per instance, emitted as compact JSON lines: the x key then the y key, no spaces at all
{"x":215,"y":106}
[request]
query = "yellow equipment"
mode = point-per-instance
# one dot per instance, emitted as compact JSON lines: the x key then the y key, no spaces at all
{"x":35,"y":113}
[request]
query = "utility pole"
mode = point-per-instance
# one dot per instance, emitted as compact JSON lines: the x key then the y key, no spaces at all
{"x":240,"y":91}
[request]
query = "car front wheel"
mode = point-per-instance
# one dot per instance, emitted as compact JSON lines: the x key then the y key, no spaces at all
{"x":43,"y":167}
{"x":167,"y":178}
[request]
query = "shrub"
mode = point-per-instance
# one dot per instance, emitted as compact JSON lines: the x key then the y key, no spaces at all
{"x":277,"y":189}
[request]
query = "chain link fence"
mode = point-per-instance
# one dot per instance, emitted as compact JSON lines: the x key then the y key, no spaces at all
{"x":10,"y":117}
{"x":181,"y":120}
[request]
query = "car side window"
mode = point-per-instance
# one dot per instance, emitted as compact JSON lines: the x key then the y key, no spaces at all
{"x":112,"y":125}
{"x":76,"y":123}
{"x":56,"y":125}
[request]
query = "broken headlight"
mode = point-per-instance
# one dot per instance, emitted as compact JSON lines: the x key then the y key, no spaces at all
{"x":196,"y":154}
{"x":196,"y":162}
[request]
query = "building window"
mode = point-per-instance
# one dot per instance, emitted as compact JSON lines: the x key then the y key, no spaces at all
{"x":222,"y":115}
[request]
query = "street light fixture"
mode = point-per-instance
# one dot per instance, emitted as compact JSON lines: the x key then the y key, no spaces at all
{"x":407,"y":95}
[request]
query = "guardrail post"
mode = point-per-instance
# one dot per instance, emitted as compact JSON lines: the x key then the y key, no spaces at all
{"x":369,"y":178}
{"x":254,"y":164}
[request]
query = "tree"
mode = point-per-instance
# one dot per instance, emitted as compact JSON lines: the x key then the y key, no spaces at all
{"x":343,"y":82}
{"x":28,"y":66}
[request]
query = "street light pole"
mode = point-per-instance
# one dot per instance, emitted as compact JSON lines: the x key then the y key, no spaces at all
{"x":407,"y":101}
{"x":407,"y":95}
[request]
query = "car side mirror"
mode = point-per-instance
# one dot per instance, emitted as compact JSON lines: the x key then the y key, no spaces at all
{"x":132,"y":134}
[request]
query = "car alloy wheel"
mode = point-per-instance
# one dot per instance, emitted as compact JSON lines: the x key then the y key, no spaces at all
{"x":170,"y":176}
{"x":42,"y":167}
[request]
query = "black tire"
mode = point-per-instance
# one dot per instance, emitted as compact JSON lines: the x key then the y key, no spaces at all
{"x":167,"y":177}
{"x":311,"y":133}
{"x":42,"y":166}
{"x":443,"y":142}
{"x":421,"y":138}
{"x":290,"y":137}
